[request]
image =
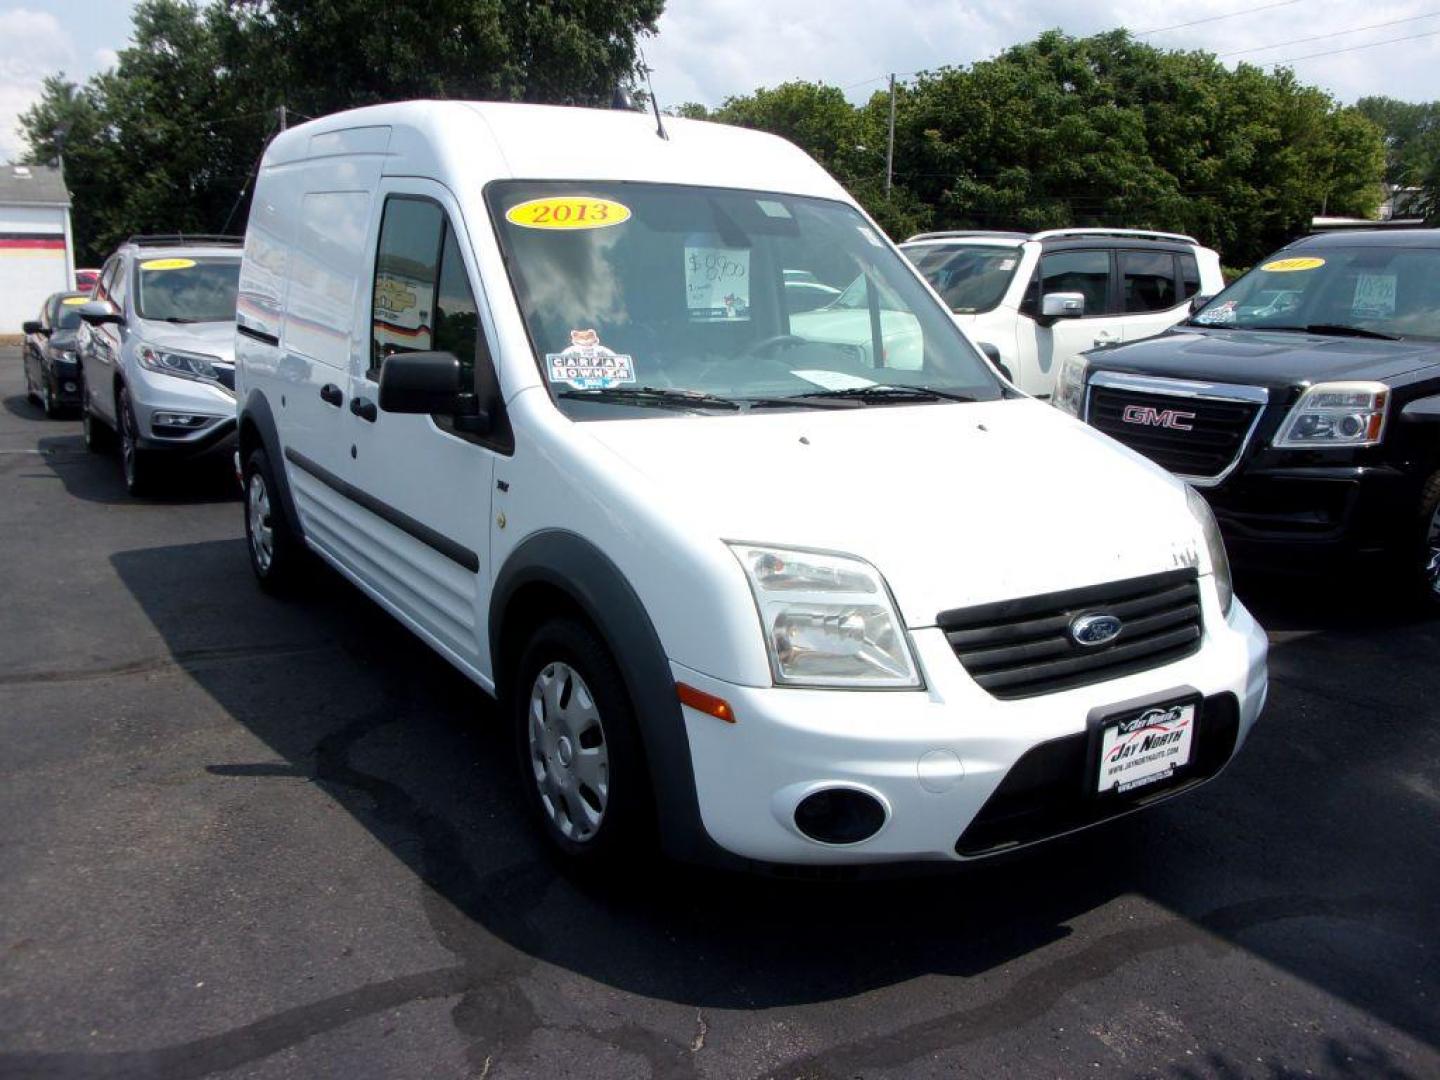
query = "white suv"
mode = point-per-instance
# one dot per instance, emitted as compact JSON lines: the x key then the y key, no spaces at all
{"x":1034,"y":300}
{"x":157,"y":354}
{"x":529,"y":378}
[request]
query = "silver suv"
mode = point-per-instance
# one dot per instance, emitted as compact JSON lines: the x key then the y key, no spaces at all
{"x":157,"y":353}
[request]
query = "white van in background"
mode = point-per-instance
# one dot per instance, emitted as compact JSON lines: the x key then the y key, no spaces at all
{"x":530,"y":378}
{"x":1040,"y":298}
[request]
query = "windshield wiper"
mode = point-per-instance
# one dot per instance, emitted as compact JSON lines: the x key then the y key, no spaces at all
{"x":662,"y":396}
{"x":882,"y":393}
{"x":178,"y":319}
{"x":1333,"y":330}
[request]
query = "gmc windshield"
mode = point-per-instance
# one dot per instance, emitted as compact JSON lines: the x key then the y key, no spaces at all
{"x":647,"y":296}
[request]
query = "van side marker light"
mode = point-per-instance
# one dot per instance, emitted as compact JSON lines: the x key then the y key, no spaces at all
{"x":706,"y":703}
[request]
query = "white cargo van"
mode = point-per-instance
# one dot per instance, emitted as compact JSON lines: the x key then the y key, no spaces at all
{"x":820,"y":589}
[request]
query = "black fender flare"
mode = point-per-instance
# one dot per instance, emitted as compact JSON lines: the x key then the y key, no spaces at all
{"x":256,"y":413}
{"x":566,"y":562}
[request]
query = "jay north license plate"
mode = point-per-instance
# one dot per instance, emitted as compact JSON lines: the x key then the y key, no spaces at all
{"x":1144,"y":748}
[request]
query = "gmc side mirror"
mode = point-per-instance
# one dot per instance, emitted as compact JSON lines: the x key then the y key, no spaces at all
{"x":31,"y":326}
{"x":1062,"y":305}
{"x":428,"y":384}
{"x":99,"y":312}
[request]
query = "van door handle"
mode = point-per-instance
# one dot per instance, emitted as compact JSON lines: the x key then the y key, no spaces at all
{"x":331,"y":395}
{"x":364,"y":408}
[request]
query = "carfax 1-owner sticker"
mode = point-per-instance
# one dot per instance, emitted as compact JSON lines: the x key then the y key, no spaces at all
{"x":587,"y":365}
{"x":1142,"y":749}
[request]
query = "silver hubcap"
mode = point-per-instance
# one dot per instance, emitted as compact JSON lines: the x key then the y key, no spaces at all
{"x":568,"y":755}
{"x":1432,"y":553}
{"x":262,"y":537}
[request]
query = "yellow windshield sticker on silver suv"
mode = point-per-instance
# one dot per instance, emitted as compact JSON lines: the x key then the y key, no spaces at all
{"x":1290,"y":266}
{"x":167,"y":264}
{"x":568,"y":212}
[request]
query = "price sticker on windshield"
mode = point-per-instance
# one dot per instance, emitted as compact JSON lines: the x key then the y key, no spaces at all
{"x":1291,"y":266}
{"x":568,"y":212}
{"x":167,"y":264}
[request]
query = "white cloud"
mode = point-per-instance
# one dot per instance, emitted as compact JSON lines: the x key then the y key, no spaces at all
{"x":32,"y":45}
{"x":105,"y":59}
{"x":709,"y":49}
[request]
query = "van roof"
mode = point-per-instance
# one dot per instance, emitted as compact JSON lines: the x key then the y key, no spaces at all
{"x":476,"y":142}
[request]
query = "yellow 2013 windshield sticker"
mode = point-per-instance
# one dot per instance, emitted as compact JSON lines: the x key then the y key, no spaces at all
{"x":75,"y":301}
{"x":167,"y":264}
{"x":1290,"y":266}
{"x":568,"y":212}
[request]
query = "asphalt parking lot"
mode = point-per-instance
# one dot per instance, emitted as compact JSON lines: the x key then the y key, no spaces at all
{"x":256,"y":838}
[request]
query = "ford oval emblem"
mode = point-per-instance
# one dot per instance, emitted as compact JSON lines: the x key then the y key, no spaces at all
{"x":1092,"y":630}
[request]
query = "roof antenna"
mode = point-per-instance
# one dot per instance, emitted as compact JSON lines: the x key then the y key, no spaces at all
{"x":654,"y":104}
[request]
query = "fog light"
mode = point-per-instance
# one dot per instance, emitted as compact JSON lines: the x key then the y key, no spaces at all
{"x":188,"y":421}
{"x":70,"y":387}
{"x":839,"y":815}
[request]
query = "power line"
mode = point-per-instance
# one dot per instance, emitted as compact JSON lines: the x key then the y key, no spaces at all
{"x":1337,"y":33}
{"x":1216,"y":18}
{"x":1353,"y":48}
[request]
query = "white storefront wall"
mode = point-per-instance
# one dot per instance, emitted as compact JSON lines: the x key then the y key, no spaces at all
{"x":32,"y":265}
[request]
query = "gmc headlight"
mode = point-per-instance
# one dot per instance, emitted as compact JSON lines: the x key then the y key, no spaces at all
{"x":1069,"y":393}
{"x":186,"y":365}
{"x":1336,"y":414}
{"x":828,"y":620}
{"x":1219,"y":561}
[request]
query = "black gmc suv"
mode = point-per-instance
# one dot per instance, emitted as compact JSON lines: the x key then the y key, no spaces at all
{"x":1303,"y":402}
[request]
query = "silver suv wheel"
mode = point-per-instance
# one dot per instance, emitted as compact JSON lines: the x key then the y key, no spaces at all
{"x":262,"y":536}
{"x":568,"y":754}
{"x":1432,"y":554}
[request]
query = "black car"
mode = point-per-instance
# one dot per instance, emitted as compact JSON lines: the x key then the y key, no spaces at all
{"x":1303,"y":401}
{"x":52,"y":370}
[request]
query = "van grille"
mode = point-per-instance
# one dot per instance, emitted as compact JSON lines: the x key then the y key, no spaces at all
{"x":1021,"y":648}
{"x":1206,"y":438}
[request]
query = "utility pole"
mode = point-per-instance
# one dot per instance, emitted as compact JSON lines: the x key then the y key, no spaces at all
{"x":282,"y":117}
{"x":890,"y":142}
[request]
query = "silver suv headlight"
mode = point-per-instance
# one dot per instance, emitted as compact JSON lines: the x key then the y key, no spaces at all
{"x":185,"y":365}
{"x":1336,"y":414}
{"x":1219,"y":561}
{"x":1069,"y":393}
{"x":828,"y":620}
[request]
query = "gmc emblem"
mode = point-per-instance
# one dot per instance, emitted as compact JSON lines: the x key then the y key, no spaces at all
{"x":1149,"y":416}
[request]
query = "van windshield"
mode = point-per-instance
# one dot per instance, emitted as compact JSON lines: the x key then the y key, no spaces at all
{"x":649,"y":296}
{"x":971,"y":278}
{"x":187,"y":289}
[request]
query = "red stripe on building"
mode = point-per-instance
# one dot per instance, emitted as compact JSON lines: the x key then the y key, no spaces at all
{"x":33,"y":243}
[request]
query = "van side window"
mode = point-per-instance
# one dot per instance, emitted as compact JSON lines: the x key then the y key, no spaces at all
{"x":406,"y":267}
{"x":1085,"y":272}
{"x":1148,"y":280}
{"x":457,"y":320}
{"x":1189,"y":276}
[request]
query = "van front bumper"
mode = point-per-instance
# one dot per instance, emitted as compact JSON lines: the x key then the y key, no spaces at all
{"x":959,"y":774}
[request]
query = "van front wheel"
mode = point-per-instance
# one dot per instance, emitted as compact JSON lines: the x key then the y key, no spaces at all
{"x":581,"y":764}
{"x":273,"y":548}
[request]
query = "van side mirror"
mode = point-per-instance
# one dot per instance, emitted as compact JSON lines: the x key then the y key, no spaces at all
{"x":428,"y":383}
{"x":98,"y":312}
{"x":31,"y":326}
{"x":992,"y":353}
{"x":1199,"y":301}
{"x":1063,"y":305}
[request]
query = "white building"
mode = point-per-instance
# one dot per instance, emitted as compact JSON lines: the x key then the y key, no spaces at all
{"x":36,"y":253}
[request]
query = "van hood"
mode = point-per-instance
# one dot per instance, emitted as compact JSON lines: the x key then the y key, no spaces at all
{"x":1266,"y":357}
{"x":955,"y":504}
{"x":215,"y":339}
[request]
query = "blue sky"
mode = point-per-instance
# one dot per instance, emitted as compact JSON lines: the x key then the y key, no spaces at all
{"x":709,"y":49}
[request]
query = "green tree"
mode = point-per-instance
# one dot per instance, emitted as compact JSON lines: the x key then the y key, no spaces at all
{"x":1412,"y":150}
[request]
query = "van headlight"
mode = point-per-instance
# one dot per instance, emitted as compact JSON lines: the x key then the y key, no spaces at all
{"x":186,"y":365}
{"x":1069,"y":393}
{"x":828,"y":620}
{"x":1219,"y":561}
{"x":1336,"y":414}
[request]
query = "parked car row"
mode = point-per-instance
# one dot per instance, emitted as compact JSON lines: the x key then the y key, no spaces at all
{"x":665,"y":446}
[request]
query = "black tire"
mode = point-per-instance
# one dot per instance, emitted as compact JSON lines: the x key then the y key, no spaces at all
{"x":53,"y":409}
{"x":1427,"y":557}
{"x":136,"y":465}
{"x":625,"y":828}
{"x":275,"y":562}
{"x":30,"y":394}
{"x":99,"y":439}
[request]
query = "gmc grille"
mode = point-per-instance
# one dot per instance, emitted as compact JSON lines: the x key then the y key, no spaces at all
{"x":1195,"y":436}
{"x":1021,"y":648}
